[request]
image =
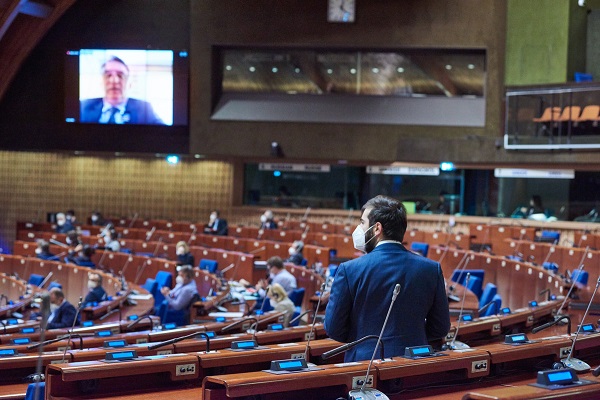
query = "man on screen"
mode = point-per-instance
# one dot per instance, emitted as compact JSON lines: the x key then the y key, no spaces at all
{"x":115,"y":107}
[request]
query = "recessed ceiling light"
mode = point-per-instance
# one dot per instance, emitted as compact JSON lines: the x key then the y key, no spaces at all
{"x":353,"y":71}
{"x":471,"y":66}
{"x":448,"y":67}
{"x":274,"y":69}
{"x":400,"y":70}
{"x":329,"y":71}
{"x":375,"y":70}
{"x":297,"y":70}
{"x":252,"y":69}
{"x":228,"y":67}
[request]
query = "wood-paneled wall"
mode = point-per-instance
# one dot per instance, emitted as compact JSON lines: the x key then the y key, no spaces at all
{"x":32,"y":184}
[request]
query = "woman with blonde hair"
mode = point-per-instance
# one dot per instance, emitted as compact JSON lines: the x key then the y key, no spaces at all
{"x":184,"y":257}
{"x":281,"y":302}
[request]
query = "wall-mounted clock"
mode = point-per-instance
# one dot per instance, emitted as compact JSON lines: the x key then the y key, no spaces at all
{"x":343,"y":11}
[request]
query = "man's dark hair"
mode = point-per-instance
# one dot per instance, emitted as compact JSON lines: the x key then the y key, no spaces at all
{"x":216,"y":212}
{"x":187,"y":271}
{"x":390,"y":213}
{"x":44,"y":246}
{"x":116,"y":59}
{"x":88,"y":251}
{"x":276,"y":262}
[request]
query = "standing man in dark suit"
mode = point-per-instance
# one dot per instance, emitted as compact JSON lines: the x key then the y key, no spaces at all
{"x":115,"y":107}
{"x":362,"y":289}
{"x":216,"y":225}
{"x":62,"y":313}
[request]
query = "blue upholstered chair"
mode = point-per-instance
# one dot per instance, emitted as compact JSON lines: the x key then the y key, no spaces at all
{"x":421,"y":248}
{"x":210,"y":265}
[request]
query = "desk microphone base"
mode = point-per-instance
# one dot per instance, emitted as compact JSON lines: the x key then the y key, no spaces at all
{"x":367,"y":394}
{"x":457,"y":345}
{"x":576,"y":364}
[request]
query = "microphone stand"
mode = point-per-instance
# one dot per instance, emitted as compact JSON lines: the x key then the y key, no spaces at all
{"x":179,"y":339}
{"x":79,"y":307}
{"x":572,"y":362}
{"x":347,"y":346}
{"x":192,"y":235}
{"x":46,"y":279}
{"x":45,"y":308}
{"x":137,"y":321}
{"x":133,"y":220}
{"x":312,"y":327}
{"x":580,"y":268}
{"x":109,"y":313}
{"x":454,"y":345}
{"x":150,"y":233}
{"x":160,"y":239}
{"x":370,"y":393}
{"x":552,"y":323}
{"x":236,"y":323}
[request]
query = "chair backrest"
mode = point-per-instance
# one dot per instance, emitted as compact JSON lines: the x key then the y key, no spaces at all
{"x":580,"y":276}
{"x":494,"y":308}
{"x":332,"y":270}
{"x":53,"y":285}
{"x":550,"y":236}
{"x":35,"y":279}
{"x":570,"y":113}
{"x":549,"y":114}
{"x":164,"y":278}
{"x":33,"y":394}
{"x":151,"y":285}
{"x":475,"y":285}
{"x":589,"y":113}
{"x":161,"y":310}
{"x":550,"y":266}
{"x":297,"y":296}
{"x":419,"y":247}
{"x":488,"y":294}
{"x":210,"y":265}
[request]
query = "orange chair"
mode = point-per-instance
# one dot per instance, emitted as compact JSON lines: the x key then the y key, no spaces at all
{"x":550,"y":114}
{"x":589,"y":113}
{"x":569,"y":113}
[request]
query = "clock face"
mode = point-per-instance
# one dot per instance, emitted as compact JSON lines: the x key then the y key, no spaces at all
{"x":341,"y":11}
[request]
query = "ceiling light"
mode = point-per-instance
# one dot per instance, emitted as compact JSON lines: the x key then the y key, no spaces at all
{"x":228,"y":67}
{"x":400,"y":70}
{"x":353,"y":71}
{"x":448,"y":67}
{"x":274,"y":69}
{"x":252,"y":69}
{"x":471,"y":66}
{"x":375,"y":70}
{"x":330,"y":71}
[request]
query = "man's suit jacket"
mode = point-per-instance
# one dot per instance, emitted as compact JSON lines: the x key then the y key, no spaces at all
{"x":218,"y":227}
{"x":64,"y":316}
{"x":96,"y":295}
{"x":137,"y":112}
{"x":362,"y":292}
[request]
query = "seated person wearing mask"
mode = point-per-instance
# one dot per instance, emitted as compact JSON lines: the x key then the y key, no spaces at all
{"x":216,"y":225}
{"x":295,"y":252}
{"x":83,"y":257}
{"x":62,"y":224}
{"x":110,"y":240}
{"x":96,"y":219}
{"x":281,"y":302}
{"x":43,"y":251}
{"x":97,"y":292}
{"x":62,"y":313}
{"x":184,"y":256}
{"x":266,"y":220}
{"x":182,"y":294}
{"x":277,"y":274}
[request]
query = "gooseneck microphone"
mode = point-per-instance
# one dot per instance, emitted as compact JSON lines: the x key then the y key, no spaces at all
{"x":137,"y":321}
{"x":543,"y":292}
{"x":580,"y":268}
{"x":348,"y":346}
{"x":370,"y":393}
{"x":456,"y":345}
{"x":552,"y":323}
{"x":570,"y":361}
{"x":236,"y":323}
{"x":180,"y":338}
{"x":300,"y":316}
{"x":79,"y":307}
{"x":45,"y":309}
{"x":460,"y":267}
{"x":259,"y":313}
{"x":312,"y":327}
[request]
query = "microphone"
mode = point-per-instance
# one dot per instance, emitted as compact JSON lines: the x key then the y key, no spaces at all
{"x":347,"y":346}
{"x":580,"y":268}
{"x":102,"y":259}
{"x":312,"y":327}
{"x":299,"y":316}
{"x":4,"y":326}
{"x":179,"y":339}
{"x":456,"y":345}
{"x":260,"y":312}
{"x":552,"y":323}
{"x":258,"y":250}
{"x":137,"y":321}
{"x":543,"y":292}
{"x":150,"y":233}
{"x":46,"y":279}
{"x":370,"y":392}
{"x":45,"y":309}
{"x":305,"y":216}
{"x":56,"y":242}
{"x":133,"y":220}
{"x":108,"y":314}
{"x":160,"y":239}
{"x":192,"y":235}
{"x":461,"y":267}
{"x":236,"y":323}
{"x":485,"y":307}
{"x":572,"y":362}
{"x":79,"y":307}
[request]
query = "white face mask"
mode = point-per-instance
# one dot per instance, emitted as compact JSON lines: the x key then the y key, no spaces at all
{"x":180,"y":251}
{"x":92,"y":285}
{"x":358,"y":237}
{"x":271,"y":275}
{"x":53,"y":307}
{"x":179,"y":280}
{"x":68,"y":240}
{"x":263,"y":218}
{"x":38,"y":251}
{"x":212,"y":217}
{"x":60,"y":222}
{"x":292,"y":251}
{"x":94,"y":218}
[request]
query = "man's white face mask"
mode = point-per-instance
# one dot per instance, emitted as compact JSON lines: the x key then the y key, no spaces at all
{"x":358,"y":237}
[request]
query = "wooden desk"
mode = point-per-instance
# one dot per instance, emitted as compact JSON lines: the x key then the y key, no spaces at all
{"x":83,"y":379}
{"x":480,"y":328}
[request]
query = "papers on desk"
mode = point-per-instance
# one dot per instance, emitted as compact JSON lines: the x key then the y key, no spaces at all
{"x":140,"y":296}
{"x":226,"y":314}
